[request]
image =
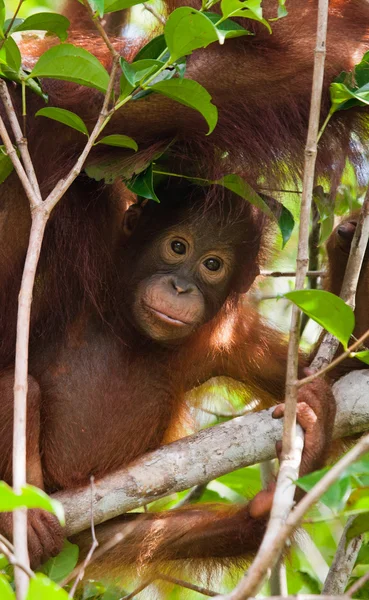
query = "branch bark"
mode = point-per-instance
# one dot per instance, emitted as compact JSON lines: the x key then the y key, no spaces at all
{"x":343,"y":563}
{"x":204,"y":456}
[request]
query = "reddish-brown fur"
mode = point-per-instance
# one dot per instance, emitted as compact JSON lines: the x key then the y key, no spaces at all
{"x":261,"y":86}
{"x":99,"y":382}
{"x":108,"y":394}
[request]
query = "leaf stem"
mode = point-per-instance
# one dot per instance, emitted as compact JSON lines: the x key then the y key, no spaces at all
{"x":328,"y":118}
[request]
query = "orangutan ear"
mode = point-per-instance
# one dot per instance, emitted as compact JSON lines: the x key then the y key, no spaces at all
{"x":245,"y":280}
{"x":131,"y":218}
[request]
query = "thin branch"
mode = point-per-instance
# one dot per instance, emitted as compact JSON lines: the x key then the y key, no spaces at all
{"x":63,"y":184}
{"x":100,"y":29}
{"x":20,"y":139}
{"x":4,"y":549}
{"x":187,"y":585}
{"x":358,"y":585}
{"x":278,"y":576}
{"x":11,"y":23}
{"x":94,"y":544}
{"x":138,"y":589}
{"x":30,"y":193}
{"x":291,"y":273}
{"x":334,"y":362}
{"x":314,"y":264}
{"x":343,"y":563}
{"x":155,"y":13}
{"x":192,"y":496}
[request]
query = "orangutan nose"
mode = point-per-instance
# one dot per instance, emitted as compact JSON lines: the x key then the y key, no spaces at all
{"x":181,"y":286}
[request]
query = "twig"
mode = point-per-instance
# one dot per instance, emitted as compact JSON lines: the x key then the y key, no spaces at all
{"x":180,"y":582}
{"x":265,"y":273}
{"x":20,"y":139}
{"x":4,"y":549}
{"x":329,"y":345}
{"x":313,"y":257}
{"x":305,"y":597}
{"x":187,"y":585}
{"x":12,"y":21}
{"x":334,"y":362}
{"x":157,"y":15}
{"x":343,"y":563}
{"x":116,"y":539}
{"x":28,"y":188}
{"x":357,"y":585}
{"x":94,"y":544}
{"x":282,"y":191}
{"x":297,"y":514}
{"x":6,"y":543}
{"x":193,"y":495}
{"x":138,"y":589}
{"x":100,"y":29}
{"x":271,"y":545}
{"x":63,"y":184}
{"x":278,"y":577}
{"x":225,"y":415}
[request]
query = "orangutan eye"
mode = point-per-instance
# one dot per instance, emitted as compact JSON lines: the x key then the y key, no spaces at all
{"x":178,"y":247}
{"x":212,"y":264}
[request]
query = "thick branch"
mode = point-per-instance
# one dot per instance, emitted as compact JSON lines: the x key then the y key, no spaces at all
{"x":202,"y":457}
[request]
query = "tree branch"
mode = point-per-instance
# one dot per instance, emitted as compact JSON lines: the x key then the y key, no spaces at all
{"x":196,"y":459}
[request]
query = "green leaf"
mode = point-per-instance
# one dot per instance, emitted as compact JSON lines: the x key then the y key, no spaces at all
{"x":42,"y":588}
{"x":31,"y":497}
{"x":363,"y":355}
{"x":50,"y":22}
{"x":10,"y":55}
{"x":282,"y":10}
{"x":6,"y":165}
{"x":143,"y":185}
{"x":123,"y":141}
{"x":114,"y":5}
{"x":226,"y":29}
{"x":250,"y":9}
{"x":3,"y":563}
{"x":186,"y":30}
{"x":326,"y":309}
{"x":13,"y":24}
{"x":97,"y":7}
{"x":338,"y":493}
{"x":351,"y":89}
{"x":239,"y":186}
{"x":6,"y":592}
{"x":286,"y":224}
{"x":358,"y":526}
{"x":136,"y":71}
{"x":192,"y":94}
{"x":153,"y":49}
{"x":125,"y":87}
{"x":59,"y":567}
{"x":64,"y":116}
{"x":358,"y":501}
{"x":70,"y":63}
{"x":2,"y":18}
